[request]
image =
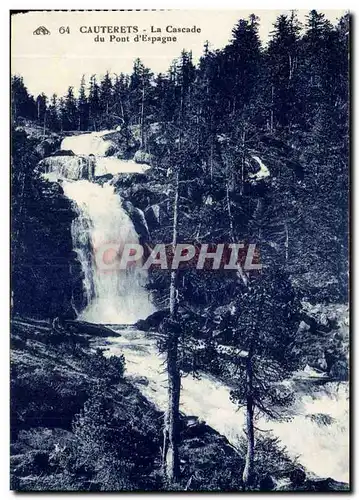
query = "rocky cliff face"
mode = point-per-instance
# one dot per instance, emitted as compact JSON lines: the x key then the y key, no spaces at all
{"x":46,"y":276}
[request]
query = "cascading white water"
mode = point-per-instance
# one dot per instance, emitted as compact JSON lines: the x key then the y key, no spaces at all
{"x":64,"y":167}
{"x":100,"y":230}
{"x":317,"y":433}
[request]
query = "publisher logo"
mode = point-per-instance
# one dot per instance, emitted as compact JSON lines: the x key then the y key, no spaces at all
{"x":41,"y":30}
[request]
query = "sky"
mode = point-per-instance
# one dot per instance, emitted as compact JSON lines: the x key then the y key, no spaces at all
{"x":51,"y":63}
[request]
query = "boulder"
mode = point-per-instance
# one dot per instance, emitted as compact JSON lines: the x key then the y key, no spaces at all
{"x":63,"y":152}
{"x":112,"y":149}
{"x":139,"y":380}
{"x":102,"y":179}
{"x":47,"y":146}
{"x":138,"y":219}
{"x":339,"y":370}
{"x":152,"y":215}
{"x":266,"y":483}
{"x":153,"y":321}
{"x":327,"y":484}
{"x":143,"y":157}
{"x":321,"y":419}
{"x":298,"y":477}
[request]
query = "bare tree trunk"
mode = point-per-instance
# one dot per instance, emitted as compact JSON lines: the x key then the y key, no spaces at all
{"x":173,"y":284}
{"x":286,"y":243}
{"x":240,"y":273}
{"x":272,"y":112}
{"x":170,"y":434}
{"x":290,"y":69}
{"x":242,"y":163}
{"x":229,"y":211}
{"x":142,"y":115}
{"x":248,"y":468}
{"x":44,"y":127}
{"x":122,"y":111}
{"x":171,"y":438}
{"x":211,"y":161}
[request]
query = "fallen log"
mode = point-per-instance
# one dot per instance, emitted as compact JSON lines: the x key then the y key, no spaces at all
{"x":78,"y":327}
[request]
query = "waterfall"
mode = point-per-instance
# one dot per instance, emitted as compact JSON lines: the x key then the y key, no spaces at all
{"x":318,"y":432}
{"x":63,"y":167}
{"x":102,"y":228}
{"x":99,"y":233}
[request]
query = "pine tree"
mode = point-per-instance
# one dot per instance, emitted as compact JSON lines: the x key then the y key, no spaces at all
{"x":83,"y":107}
{"x":282,"y":60}
{"x":70,"y":111}
{"x":120,"y":98}
{"x":106,"y":98}
{"x":94,"y":103}
{"x":41,"y":107}
{"x":266,"y":315}
{"x":139,"y":93}
{"x":53,"y":115}
{"x":22,"y":104}
{"x":241,"y":64}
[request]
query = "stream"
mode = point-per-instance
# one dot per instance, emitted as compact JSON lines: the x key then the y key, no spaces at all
{"x":120,"y":298}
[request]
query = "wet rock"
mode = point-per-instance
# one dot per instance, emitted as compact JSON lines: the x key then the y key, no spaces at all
{"x":152,"y":215}
{"x":340,"y":370}
{"x":112,"y":149}
{"x":49,"y":251}
{"x":298,"y":477}
{"x":102,"y":179}
{"x":33,"y":462}
{"x":143,"y":157}
{"x":63,"y":152}
{"x":138,"y":219}
{"x":327,"y":484}
{"x":266,"y":483}
{"x":321,"y":418}
{"x":139,"y":380}
{"x":47,"y":146}
{"x":153,"y":321}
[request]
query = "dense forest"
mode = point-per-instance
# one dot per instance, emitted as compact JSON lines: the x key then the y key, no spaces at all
{"x":205,"y":129}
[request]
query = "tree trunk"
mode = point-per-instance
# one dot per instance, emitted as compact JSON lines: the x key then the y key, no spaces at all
{"x":286,"y":243}
{"x":248,"y":468}
{"x":242,"y":164}
{"x":170,"y":457}
{"x":142,"y":115}
{"x":171,"y":438}
{"x":122,"y":112}
{"x":272,"y":112}
{"x":240,"y":272}
{"x":44,"y":126}
{"x":211,"y":162}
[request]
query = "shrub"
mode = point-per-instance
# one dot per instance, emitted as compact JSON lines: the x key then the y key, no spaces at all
{"x":110,"y":451}
{"x":109,"y":369}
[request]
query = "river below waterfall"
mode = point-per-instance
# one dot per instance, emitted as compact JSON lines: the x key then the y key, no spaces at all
{"x":114,"y":298}
{"x":321,"y":448}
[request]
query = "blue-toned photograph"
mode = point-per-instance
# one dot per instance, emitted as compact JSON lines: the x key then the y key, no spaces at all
{"x":180,"y":251}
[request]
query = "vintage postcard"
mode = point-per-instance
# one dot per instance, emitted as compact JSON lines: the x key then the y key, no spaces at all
{"x":180,"y":250}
